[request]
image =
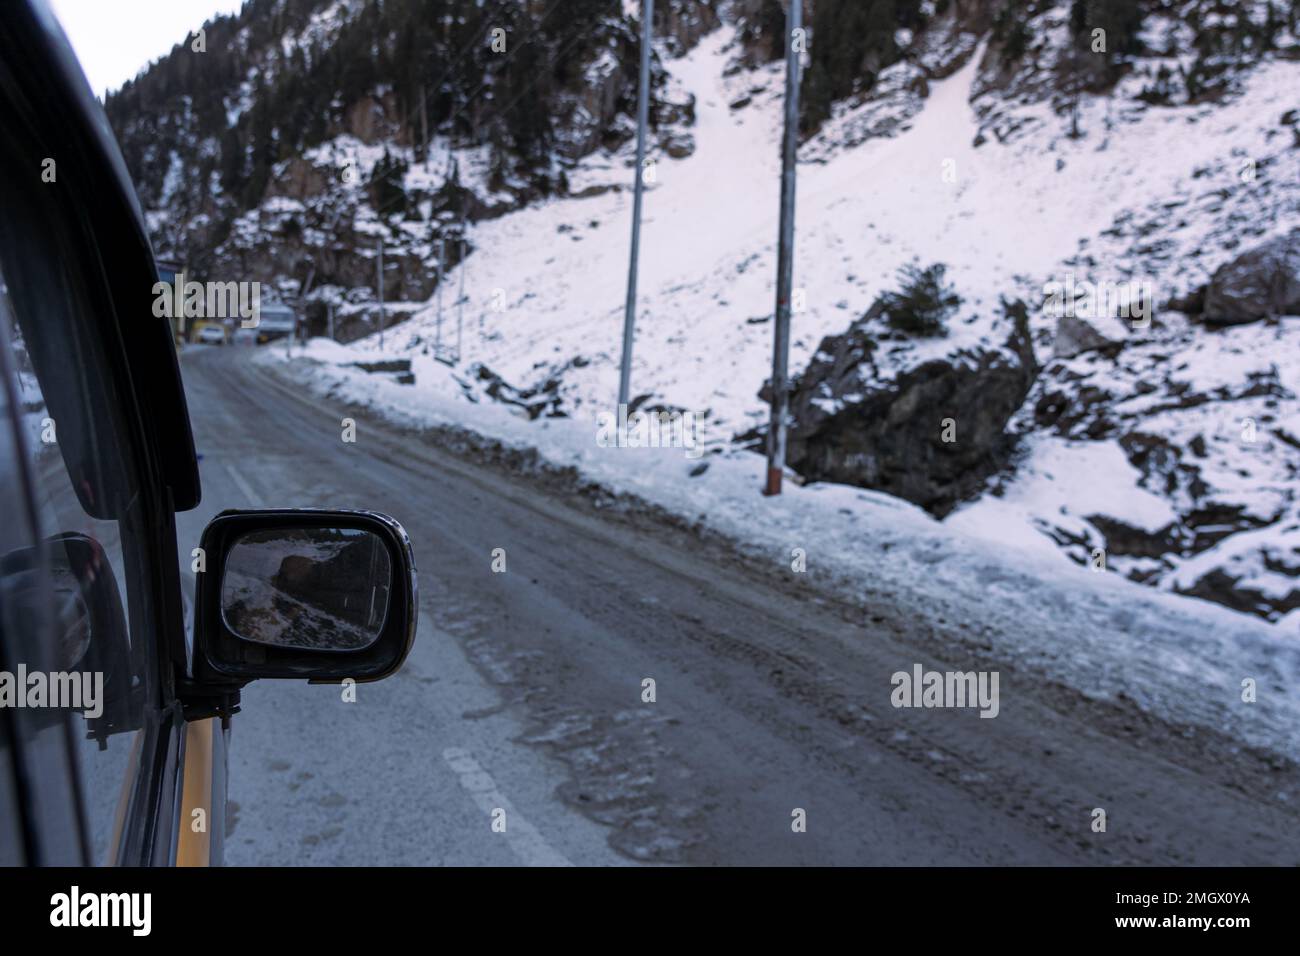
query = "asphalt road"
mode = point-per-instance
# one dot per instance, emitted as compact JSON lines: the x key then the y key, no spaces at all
{"x":524,"y":693}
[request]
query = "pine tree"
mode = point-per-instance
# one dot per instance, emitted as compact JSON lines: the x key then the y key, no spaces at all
{"x":1121,"y":21}
{"x":852,"y":41}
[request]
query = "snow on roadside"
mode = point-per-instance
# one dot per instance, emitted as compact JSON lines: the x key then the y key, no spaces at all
{"x":1075,"y":479}
{"x":1179,"y":658}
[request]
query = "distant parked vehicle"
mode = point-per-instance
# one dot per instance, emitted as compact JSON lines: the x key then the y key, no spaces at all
{"x":277,"y":320}
{"x":211,"y":335}
{"x":244,"y":337}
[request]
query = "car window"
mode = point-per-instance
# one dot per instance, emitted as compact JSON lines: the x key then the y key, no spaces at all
{"x":17,"y":534}
{"x":40,"y":819}
{"x":99,"y":653}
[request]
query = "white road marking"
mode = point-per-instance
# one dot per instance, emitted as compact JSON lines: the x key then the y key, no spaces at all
{"x":521,"y":835}
{"x":253,"y":497}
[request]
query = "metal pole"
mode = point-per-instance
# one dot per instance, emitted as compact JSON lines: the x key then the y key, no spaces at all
{"x":785,"y":258}
{"x":424,"y":129}
{"x":330,"y":312}
{"x":381,"y":292}
{"x":437,"y":338}
{"x":642,"y":117}
{"x":460,"y":296}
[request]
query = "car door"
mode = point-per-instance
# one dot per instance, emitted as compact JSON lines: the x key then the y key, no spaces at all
{"x":100,"y":448}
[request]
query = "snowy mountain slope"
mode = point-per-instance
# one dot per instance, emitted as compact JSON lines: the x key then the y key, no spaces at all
{"x":278,"y":144}
{"x":710,"y":224}
{"x":544,"y":296}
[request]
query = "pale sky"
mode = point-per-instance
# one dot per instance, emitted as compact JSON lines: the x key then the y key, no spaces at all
{"x":115,"y":39}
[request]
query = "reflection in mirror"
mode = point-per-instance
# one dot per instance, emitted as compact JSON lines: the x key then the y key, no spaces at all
{"x":72,"y":620}
{"x":321,"y":589}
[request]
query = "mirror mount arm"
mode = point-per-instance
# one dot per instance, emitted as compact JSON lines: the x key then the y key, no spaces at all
{"x":203,"y":699}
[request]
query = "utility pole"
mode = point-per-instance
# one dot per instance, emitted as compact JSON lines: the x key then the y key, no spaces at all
{"x":437,"y":338}
{"x":451,"y":133}
{"x":381,"y":293}
{"x":424,"y":130}
{"x":785,"y":256}
{"x":460,"y":296}
{"x":642,"y":117}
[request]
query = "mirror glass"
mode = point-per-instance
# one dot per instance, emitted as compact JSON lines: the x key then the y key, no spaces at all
{"x":322,"y":589}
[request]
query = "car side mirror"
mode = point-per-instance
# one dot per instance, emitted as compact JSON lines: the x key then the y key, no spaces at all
{"x":323,"y":596}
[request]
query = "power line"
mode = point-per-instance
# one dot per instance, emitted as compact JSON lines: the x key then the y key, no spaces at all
{"x":510,"y":55}
{"x":485,"y":25}
{"x":483,"y":22}
{"x":514,"y":51}
{"x":450,"y":121}
{"x":559,"y":53}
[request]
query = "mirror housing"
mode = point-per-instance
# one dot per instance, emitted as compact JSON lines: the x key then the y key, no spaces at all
{"x":224,"y":662}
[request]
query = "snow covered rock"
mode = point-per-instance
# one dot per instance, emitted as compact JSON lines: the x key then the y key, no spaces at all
{"x":1075,"y":335}
{"x":1175,"y":458}
{"x":1262,"y":282}
{"x":916,"y":420}
{"x":1257,"y":572}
